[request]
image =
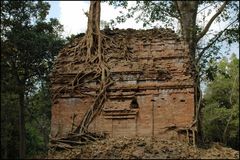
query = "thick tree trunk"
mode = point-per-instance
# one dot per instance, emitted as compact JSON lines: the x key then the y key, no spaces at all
{"x":93,"y":27}
{"x":93,"y":41}
{"x":20,"y":89}
{"x":22,"y":148}
{"x":94,"y":36}
{"x":5,"y":143}
{"x":188,"y":14}
{"x":94,"y":16}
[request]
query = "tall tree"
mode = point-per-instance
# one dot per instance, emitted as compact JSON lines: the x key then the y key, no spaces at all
{"x":188,"y":14}
{"x":93,"y":40}
{"x":28,"y":46}
{"x":90,"y":49}
{"x":221,"y":114}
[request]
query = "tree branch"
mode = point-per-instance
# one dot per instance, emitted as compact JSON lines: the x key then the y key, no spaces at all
{"x":211,"y":43}
{"x":205,"y":30}
{"x":178,"y":11}
{"x":205,"y":8}
{"x":14,"y":68}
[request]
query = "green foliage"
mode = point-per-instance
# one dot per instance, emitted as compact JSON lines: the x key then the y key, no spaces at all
{"x":38,"y":120}
{"x":34,"y":141}
{"x":209,"y":48}
{"x":221,"y":114}
{"x":148,"y":12}
{"x":29,"y":44}
{"x":9,"y":121}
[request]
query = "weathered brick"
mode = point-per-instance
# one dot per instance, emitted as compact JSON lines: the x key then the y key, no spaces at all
{"x":157,"y":78}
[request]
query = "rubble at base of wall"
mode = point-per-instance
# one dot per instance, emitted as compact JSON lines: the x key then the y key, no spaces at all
{"x":144,"y":148}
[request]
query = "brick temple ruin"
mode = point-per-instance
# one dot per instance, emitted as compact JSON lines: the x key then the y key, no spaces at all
{"x":152,"y":94}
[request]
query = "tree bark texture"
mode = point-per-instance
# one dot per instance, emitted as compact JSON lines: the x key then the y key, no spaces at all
{"x":93,"y":41}
{"x":93,"y":27}
{"x":188,"y":14}
{"x":22,"y":130}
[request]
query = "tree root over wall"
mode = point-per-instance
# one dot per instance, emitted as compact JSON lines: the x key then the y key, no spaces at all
{"x":90,"y":50}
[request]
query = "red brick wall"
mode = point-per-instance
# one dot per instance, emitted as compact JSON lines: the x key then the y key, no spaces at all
{"x":157,"y":76}
{"x":63,"y":113}
{"x":156,"y":113}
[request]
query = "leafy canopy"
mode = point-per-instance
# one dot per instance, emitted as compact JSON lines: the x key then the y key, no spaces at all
{"x":29,"y":43}
{"x":221,"y":114}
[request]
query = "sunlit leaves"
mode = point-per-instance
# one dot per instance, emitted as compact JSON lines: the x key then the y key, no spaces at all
{"x":222,"y":104}
{"x":148,"y":12}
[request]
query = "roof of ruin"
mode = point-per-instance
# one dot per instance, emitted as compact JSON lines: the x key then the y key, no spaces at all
{"x":160,"y":33}
{"x":119,"y":44}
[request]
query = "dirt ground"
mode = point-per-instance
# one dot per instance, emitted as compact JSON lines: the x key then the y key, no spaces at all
{"x":143,"y":148}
